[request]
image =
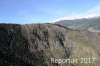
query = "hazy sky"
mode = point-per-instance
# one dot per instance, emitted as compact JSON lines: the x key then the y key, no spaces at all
{"x":39,"y":11}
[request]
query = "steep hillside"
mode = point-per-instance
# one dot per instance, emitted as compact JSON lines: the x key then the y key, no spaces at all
{"x":36,"y":44}
{"x":83,"y":24}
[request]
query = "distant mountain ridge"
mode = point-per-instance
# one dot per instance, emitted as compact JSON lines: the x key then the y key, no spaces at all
{"x":84,"y":23}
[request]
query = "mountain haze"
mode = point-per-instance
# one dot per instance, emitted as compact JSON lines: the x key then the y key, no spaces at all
{"x":83,"y":23}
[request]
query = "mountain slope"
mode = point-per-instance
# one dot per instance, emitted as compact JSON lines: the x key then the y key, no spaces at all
{"x":84,"y":23}
{"x":35,"y":45}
